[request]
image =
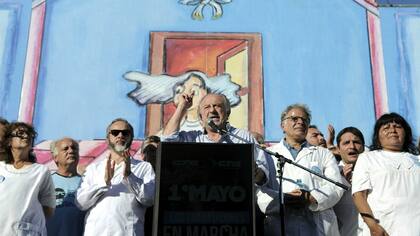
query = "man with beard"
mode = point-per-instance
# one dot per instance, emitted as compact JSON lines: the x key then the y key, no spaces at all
{"x":67,"y":219}
{"x":117,"y":190}
{"x":350,"y":144}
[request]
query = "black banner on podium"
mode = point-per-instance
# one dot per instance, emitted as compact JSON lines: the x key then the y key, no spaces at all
{"x":204,"y":189}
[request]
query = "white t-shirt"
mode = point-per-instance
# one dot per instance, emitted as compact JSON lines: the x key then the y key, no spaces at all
{"x":392,"y":180}
{"x":23,"y":192}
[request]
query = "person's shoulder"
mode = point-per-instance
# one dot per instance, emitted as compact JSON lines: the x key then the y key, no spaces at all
{"x":243,"y":133}
{"x":190,"y":132}
{"x":319,"y":149}
{"x":320,"y":152}
{"x":371,"y":155}
{"x":93,"y":166}
{"x":183,"y":136}
{"x":231,"y":128}
{"x":137,"y":162}
{"x":276,"y":147}
{"x":40,"y":167}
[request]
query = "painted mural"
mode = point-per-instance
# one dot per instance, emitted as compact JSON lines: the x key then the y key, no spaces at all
{"x":162,"y":89}
{"x":69,"y":67}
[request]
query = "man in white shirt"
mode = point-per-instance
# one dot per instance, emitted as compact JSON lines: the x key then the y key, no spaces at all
{"x":308,"y":198}
{"x":117,"y":190}
{"x":350,"y":144}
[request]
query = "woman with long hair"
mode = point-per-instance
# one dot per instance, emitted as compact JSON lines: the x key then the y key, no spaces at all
{"x":27,"y":193}
{"x":386,"y":181}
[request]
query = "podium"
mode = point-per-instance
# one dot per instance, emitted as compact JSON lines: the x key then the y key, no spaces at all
{"x":204,"y":189}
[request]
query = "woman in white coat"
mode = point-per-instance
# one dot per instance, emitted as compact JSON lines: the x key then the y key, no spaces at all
{"x":27,"y":194}
{"x":386,"y":181}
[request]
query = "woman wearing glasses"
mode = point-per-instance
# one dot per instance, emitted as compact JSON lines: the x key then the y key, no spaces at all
{"x":27,"y":193}
{"x":386,"y":181}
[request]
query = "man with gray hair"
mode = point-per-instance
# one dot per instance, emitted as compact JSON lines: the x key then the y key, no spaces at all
{"x":215,"y":108}
{"x":67,"y":219}
{"x":117,"y":190}
{"x":308,"y":199}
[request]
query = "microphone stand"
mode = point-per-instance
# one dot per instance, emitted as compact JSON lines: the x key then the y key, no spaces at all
{"x":281,"y":160}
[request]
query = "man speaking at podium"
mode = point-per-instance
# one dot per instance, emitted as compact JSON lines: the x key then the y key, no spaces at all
{"x":213,"y":112}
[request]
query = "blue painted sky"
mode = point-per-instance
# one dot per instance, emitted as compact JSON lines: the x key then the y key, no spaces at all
{"x":401,"y":33}
{"x":14,"y":25}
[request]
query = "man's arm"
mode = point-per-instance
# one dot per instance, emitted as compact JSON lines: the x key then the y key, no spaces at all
{"x":47,"y":195}
{"x":261,"y":174}
{"x":142,"y":184}
{"x":90,"y":192}
{"x":360,"y":200}
{"x":185,"y":102}
{"x":48,"y":211}
{"x":328,"y":194}
{"x":361,"y":185}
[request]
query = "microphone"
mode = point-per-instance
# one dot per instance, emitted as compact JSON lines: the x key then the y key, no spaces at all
{"x":212,"y":125}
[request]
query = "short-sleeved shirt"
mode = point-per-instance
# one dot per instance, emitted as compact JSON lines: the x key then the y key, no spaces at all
{"x":392,"y":180}
{"x":67,"y":219}
{"x":23,"y":193}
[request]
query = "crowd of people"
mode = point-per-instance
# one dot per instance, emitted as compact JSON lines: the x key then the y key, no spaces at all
{"x":115,"y":196}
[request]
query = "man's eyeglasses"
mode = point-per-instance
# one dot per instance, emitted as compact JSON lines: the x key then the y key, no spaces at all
{"x":116,"y":132}
{"x":295,"y":119}
{"x":22,"y":134}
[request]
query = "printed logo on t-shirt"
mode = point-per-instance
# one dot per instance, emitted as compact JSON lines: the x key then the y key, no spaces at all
{"x":64,"y":199}
{"x":59,"y":196}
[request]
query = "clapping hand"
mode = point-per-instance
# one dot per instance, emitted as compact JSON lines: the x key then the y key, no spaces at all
{"x":127,"y":163}
{"x":109,"y":170}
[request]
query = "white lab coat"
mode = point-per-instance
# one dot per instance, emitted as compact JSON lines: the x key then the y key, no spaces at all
{"x":318,"y":217}
{"x":392,"y":180}
{"x":116,"y":210}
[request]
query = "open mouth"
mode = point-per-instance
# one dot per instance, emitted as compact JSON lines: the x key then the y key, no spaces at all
{"x":352,"y":153}
{"x":214,"y":118}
